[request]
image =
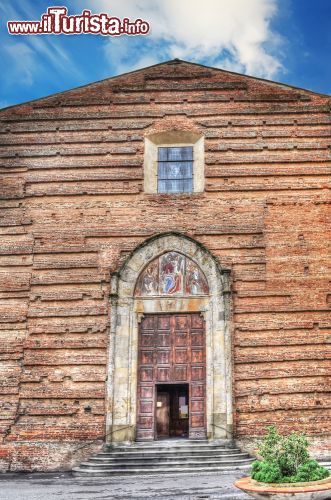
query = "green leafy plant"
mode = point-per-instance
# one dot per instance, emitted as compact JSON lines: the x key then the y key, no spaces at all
{"x":286,"y":460}
{"x":266,"y":472}
{"x":294,"y":453}
{"x":311,"y":471}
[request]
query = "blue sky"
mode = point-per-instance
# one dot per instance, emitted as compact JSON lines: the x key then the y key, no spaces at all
{"x":283,"y":40}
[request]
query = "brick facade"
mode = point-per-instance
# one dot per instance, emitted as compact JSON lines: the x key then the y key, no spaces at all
{"x":73,"y":209}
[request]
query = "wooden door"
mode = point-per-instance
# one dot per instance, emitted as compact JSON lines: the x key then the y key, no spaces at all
{"x":162,"y":414}
{"x":171,"y":351}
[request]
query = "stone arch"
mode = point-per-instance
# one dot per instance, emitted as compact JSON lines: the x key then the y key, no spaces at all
{"x":126,"y":312}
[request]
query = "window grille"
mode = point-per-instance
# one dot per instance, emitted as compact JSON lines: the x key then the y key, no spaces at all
{"x":175,"y":169}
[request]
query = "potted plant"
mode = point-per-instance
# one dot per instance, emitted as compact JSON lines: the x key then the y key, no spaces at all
{"x":286,"y":470}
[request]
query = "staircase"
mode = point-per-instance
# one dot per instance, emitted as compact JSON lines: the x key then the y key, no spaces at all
{"x":164,"y":457}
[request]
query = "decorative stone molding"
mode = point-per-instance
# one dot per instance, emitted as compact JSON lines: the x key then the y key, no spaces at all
{"x":173,"y":138}
{"x":126,"y":312}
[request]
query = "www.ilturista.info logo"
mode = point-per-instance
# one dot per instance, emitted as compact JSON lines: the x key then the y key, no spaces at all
{"x":56,"y":21}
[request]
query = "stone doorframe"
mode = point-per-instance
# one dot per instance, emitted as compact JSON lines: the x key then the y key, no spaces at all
{"x":126,"y":312}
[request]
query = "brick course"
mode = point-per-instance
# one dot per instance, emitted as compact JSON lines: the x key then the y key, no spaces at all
{"x":73,"y":208}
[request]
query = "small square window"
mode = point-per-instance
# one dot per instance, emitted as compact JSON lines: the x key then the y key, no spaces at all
{"x":174,"y":162}
{"x":175,"y":169}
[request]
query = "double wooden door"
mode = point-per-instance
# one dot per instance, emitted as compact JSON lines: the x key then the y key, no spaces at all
{"x":171,"y":352}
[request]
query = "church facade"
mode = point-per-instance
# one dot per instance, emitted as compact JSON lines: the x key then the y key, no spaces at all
{"x":163,"y":264}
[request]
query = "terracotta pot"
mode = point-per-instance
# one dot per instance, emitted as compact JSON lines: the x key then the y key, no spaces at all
{"x":315,"y":490}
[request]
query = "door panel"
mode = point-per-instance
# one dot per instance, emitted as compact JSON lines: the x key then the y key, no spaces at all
{"x":197,"y":321}
{"x":163,"y":340}
{"x":197,"y":391}
{"x":181,"y":356}
{"x":163,"y":357}
{"x":181,"y":339}
{"x":180,"y":373}
{"x":146,"y":406}
{"x":163,"y":374}
{"x":147,"y":340}
{"x":198,"y":373}
{"x":147,"y":357}
{"x":171,"y":350}
{"x":163,"y":322}
{"x":181,"y":322}
{"x":197,"y":406}
{"x":145,"y":422}
{"x":146,"y":392}
{"x":146,"y":374}
{"x":197,"y":420}
{"x":197,"y":355}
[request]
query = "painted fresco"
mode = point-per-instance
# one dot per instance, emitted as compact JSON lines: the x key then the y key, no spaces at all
{"x":196,"y":283}
{"x":172,"y":267}
{"x":148,"y":282}
{"x":172,"y":274}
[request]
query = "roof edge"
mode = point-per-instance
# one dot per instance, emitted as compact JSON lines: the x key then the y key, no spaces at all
{"x":273,"y":82}
{"x":170,"y":61}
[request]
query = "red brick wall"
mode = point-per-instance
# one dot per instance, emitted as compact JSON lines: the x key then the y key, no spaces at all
{"x":73,"y":207}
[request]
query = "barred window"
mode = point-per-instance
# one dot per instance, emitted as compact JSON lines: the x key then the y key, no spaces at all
{"x":175,"y":169}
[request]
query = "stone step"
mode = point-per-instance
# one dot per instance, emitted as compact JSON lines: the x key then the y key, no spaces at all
{"x":161,"y":463}
{"x":77,"y":471}
{"x":174,"y":456}
{"x":173,"y":442}
{"x":165,"y":457}
{"x":161,"y":449}
{"x":155,"y":453}
{"x":325,"y":463}
{"x":168,"y":457}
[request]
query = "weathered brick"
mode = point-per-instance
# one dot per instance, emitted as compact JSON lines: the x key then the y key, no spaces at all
{"x":73,"y":208}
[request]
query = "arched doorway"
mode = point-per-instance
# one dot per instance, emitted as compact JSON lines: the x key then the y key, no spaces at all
{"x":172,"y":283}
{"x":171,"y":379}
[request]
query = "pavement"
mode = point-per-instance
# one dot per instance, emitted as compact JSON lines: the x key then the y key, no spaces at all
{"x":60,"y":486}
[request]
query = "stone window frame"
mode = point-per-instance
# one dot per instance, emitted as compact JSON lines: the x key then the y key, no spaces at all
{"x":173,"y":138}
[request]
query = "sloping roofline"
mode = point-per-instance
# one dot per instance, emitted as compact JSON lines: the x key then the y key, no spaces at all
{"x":171,"y":61}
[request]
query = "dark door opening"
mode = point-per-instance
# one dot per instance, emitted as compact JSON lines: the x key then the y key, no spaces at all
{"x":172,"y":410}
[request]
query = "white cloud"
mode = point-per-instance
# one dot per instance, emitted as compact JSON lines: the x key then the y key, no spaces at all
{"x":23,"y":59}
{"x":29,"y":53}
{"x":121,"y":53}
{"x":235,"y":34}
